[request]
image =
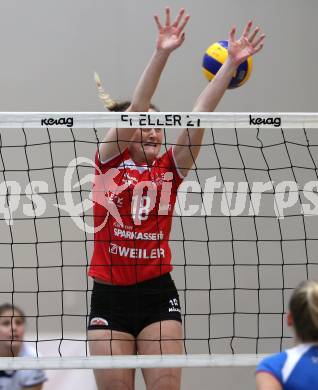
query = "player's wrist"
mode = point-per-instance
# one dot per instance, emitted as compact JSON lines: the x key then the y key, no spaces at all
{"x":231,"y":64}
{"x":163,"y":52}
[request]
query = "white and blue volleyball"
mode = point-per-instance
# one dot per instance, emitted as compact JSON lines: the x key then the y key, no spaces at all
{"x":215,"y":57}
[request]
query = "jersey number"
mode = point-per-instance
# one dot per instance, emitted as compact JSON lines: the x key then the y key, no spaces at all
{"x":141,"y":206}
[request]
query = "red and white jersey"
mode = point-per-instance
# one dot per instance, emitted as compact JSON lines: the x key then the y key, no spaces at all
{"x":132,"y":218}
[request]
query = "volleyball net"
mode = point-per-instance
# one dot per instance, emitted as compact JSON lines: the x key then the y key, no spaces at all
{"x":244,"y":231}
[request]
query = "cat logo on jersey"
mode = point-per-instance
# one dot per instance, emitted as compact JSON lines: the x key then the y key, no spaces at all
{"x":129,"y":180}
{"x":104,"y":182}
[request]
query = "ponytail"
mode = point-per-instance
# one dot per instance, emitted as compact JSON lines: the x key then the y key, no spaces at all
{"x":109,"y":103}
{"x":312,"y":297}
{"x":303,"y":306}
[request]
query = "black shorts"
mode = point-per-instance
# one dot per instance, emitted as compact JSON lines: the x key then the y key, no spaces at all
{"x":131,"y":308}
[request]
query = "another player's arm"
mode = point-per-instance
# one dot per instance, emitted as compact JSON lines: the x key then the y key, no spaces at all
{"x":266,"y":381}
{"x":190,"y":140}
{"x":170,"y":37}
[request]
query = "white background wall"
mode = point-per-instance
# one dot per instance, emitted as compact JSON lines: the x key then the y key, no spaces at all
{"x":49,"y":51}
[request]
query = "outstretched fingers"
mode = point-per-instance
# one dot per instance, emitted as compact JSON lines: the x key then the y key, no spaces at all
{"x":182,"y":38}
{"x":258,"y":45}
{"x":176,"y":24}
{"x":250,"y":39}
{"x":232,"y":34}
{"x":178,"y":18}
{"x":184,"y":23}
{"x":255,"y":32}
{"x":171,"y":36}
{"x":247,"y":29}
{"x":159,"y":25}
{"x":167,"y":16}
{"x":259,"y":40}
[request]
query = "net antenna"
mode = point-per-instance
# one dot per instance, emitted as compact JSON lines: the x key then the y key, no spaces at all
{"x":245,"y":232}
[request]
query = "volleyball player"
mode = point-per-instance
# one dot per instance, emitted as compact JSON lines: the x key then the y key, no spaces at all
{"x":135,"y":305}
{"x":12,"y":327}
{"x":296,"y":368}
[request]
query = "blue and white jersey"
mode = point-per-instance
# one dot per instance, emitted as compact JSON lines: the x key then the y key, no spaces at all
{"x":17,"y":380}
{"x":295,"y":368}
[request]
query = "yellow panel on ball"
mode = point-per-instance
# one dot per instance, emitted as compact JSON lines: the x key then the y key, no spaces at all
{"x":214,"y":58}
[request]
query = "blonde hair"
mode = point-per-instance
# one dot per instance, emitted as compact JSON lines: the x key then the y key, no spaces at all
{"x":303,"y":306}
{"x":109,"y":103}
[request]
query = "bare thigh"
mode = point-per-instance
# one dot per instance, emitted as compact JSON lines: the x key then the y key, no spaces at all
{"x":161,"y":338}
{"x":105,"y":343}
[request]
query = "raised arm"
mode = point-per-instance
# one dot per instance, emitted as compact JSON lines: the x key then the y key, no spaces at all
{"x":170,"y":37}
{"x":239,"y":50}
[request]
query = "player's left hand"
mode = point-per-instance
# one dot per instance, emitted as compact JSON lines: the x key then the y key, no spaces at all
{"x":247,"y":45}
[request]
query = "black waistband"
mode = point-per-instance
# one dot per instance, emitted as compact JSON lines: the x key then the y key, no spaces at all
{"x":163,"y":281}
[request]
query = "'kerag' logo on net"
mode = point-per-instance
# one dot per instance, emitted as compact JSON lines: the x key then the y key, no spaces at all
{"x":106,"y":192}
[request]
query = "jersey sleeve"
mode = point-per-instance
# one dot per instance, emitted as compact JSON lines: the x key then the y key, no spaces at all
{"x":273,"y":365}
{"x":112,"y":162}
{"x":169,"y":163}
{"x":32,"y":377}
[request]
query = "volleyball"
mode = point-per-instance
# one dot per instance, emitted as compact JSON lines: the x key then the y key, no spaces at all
{"x":216,"y":55}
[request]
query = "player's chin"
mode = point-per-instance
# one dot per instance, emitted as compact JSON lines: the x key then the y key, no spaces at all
{"x":152,"y":152}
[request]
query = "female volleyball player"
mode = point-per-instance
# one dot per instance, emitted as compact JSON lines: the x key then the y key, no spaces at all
{"x":135,"y":305}
{"x":12,"y":326}
{"x":296,"y":368}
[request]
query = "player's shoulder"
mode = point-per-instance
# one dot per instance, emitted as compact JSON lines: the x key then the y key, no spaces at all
{"x":29,"y":378}
{"x":273,"y":362}
{"x":282,"y":364}
{"x":166,"y":155}
{"x":27,"y":351}
{"x":273,"y":365}
{"x":301,"y":350}
{"x":165,"y":161}
{"x":114,"y":160}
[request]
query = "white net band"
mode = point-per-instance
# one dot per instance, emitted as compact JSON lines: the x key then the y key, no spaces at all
{"x":140,"y":361}
{"x":157,"y":120}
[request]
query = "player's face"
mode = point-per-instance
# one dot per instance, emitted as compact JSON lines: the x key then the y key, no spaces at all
{"x":146,"y":144}
{"x":11,"y":328}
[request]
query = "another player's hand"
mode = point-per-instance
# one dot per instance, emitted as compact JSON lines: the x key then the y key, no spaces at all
{"x":171,"y":36}
{"x":247,"y":45}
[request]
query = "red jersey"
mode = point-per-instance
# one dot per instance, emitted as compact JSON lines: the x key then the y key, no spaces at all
{"x":132,"y":218}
